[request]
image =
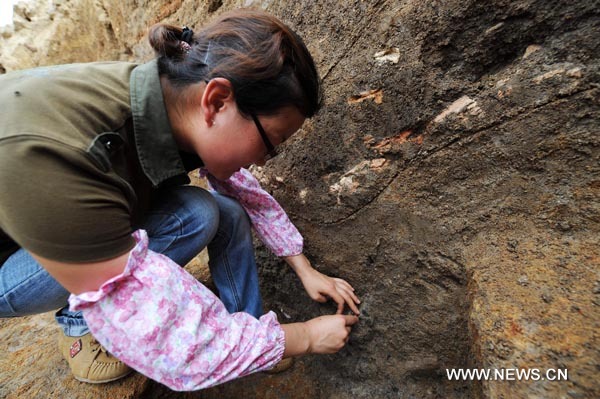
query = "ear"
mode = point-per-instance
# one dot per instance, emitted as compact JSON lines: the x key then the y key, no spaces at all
{"x":217,"y":96}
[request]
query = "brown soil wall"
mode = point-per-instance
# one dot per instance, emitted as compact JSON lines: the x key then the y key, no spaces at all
{"x":453,"y":177}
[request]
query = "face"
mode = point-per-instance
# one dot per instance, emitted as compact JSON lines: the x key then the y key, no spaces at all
{"x":234,"y":142}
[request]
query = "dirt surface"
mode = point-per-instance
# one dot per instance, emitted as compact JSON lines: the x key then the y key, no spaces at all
{"x":32,"y":367}
{"x":453,"y":177}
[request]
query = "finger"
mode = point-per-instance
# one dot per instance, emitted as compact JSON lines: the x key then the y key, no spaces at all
{"x":335,"y":295}
{"x":348,"y":288}
{"x":349,"y":298}
{"x":320,"y":298}
{"x":350,"y":319}
{"x":354,"y":297}
{"x":353,"y":307}
{"x":344,"y":283}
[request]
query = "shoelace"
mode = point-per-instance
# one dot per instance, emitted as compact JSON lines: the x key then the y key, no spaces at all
{"x":93,"y":342}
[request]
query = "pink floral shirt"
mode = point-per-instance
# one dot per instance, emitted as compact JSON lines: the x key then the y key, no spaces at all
{"x":162,"y":322}
{"x":158,"y":319}
{"x":269,"y":220}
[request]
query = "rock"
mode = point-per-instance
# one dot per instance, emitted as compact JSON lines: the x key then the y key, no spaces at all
{"x":576,"y":394}
{"x":523,"y":280}
{"x":530,"y":50}
{"x":494,"y":29}
{"x":376,"y":95}
{"x":575,"y":73}
{"x":547,"y":297}
{"x":456,"y":107}
{"x":358,"y":179}
{"x":549,"y":75}
{"x":390,"y":55}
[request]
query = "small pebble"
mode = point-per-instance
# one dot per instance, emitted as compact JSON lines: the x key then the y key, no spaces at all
{"x":523,"y":280}
{"x":575,"y":394}
{"x":564,"y":226}
{"x":547,"y":298}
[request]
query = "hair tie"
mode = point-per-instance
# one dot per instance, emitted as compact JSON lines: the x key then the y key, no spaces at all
{"x":187,"y":35}
{"x":207,"y":54}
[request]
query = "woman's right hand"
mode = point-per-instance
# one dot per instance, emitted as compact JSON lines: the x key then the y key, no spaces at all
{"x":324,"y":334}
{"x":329,"y":334}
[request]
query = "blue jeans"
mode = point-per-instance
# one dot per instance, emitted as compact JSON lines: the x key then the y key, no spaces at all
{"x":182,"y":221}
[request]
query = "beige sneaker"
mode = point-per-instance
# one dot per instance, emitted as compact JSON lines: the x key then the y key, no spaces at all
{"x":280,"y":367}
{"x":89,"y":361}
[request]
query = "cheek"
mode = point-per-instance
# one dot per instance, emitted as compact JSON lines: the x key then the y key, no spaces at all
{"x":226,"y":159}
{"x":241,"y":152}
{"x":245,"y":149}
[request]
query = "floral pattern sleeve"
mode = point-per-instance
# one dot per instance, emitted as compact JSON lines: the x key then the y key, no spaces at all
{"x":159,"y":320}
{"x":269,"y":220}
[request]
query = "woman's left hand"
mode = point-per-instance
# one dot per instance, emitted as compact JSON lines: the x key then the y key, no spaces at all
{"x":319,"y":286}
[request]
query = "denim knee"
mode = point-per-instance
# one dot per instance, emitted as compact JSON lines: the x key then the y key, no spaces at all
{"x":198,"y":211}
{"x":232,"y":216}
{"x":182,"y":221}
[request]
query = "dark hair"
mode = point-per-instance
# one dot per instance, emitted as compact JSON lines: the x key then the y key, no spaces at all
{"x":266,"y":62}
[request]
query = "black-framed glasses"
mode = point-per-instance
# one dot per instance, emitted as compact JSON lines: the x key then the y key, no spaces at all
{"x":271,"y":149}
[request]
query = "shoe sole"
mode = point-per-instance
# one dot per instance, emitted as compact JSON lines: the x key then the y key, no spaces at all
{"x":102,"y":381}
{"x":281,"y":367}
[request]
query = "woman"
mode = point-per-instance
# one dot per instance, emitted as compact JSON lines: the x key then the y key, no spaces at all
{"x":95,"y":202}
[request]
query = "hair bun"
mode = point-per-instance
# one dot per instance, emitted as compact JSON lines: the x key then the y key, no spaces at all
{"x":187,"y":35}
{"x":166,"y":40}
